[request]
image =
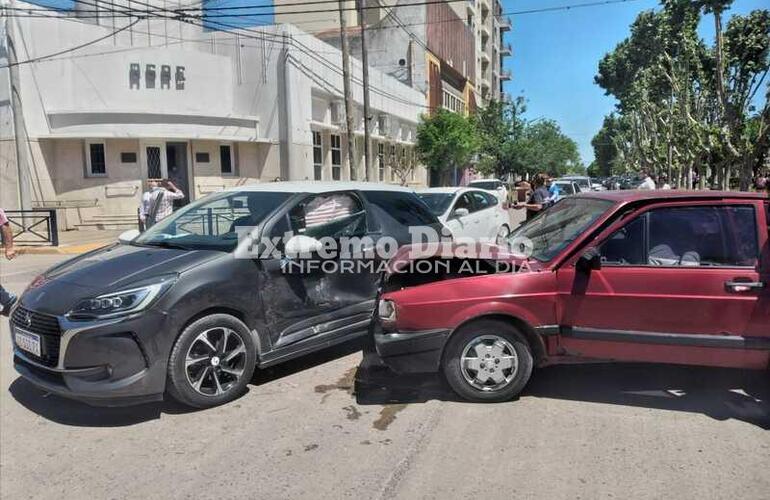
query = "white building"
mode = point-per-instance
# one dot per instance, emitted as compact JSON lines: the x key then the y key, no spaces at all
{"x":206,"y":109}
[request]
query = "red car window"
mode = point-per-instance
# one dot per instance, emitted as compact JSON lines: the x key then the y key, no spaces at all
{"x":705,"y":236}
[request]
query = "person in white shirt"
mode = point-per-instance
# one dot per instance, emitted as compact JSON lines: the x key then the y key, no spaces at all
{"x":647,"y":182}
{"x":158,"y":201}
{"x":663,"y":182}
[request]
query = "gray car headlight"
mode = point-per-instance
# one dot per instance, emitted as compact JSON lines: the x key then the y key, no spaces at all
{"x":128,"y":301}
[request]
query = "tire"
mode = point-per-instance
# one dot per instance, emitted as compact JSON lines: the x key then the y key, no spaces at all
{"x":499,"y":344}
{"x":220,"y":372}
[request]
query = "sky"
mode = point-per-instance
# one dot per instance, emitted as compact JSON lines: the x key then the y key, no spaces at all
{"x":555,"y":55}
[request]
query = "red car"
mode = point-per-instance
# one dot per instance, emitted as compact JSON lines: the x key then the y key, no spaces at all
{"x":655,"y":276}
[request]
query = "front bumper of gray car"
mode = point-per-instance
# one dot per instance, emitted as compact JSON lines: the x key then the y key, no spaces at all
{"x":111,"y":362}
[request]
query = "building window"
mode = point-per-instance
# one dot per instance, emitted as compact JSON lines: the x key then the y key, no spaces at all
{"x":95,"y":159}
{"x":226,"y":159}
{"x":381,"y":161}
{"x":336,"y":148}
{"x":127,"y":157}
{"x":318,"y":156}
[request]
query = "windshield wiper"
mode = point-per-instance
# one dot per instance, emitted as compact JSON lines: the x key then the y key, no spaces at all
{"x":167,"y":244}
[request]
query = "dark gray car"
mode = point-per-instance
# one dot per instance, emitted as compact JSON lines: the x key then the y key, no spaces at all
{"x":175,"y":311}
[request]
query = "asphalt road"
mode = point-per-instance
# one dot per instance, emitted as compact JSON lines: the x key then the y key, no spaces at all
{"x":322,"y":428}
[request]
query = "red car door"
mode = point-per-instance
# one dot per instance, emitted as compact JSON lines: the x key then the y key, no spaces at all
{"x":679,"y":283}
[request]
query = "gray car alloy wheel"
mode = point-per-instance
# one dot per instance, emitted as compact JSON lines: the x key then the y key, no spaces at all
{"x":489,"y":363}
{"x":215,"y":361}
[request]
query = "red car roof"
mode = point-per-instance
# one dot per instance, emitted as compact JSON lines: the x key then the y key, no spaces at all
{"x":669,"y":194}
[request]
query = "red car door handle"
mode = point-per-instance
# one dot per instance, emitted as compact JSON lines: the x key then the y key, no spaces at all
{"x":743,"y":286}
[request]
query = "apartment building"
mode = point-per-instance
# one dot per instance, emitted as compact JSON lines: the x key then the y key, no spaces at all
{"x":452,"y":51}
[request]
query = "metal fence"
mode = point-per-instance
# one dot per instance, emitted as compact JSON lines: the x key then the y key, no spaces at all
{"x":36,"y":226}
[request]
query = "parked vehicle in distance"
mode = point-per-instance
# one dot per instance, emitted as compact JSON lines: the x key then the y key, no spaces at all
{"x":468,"y":213}
{"x":583,"y":182}
{"x":567,"y":187}
{"x":665,"y":277}
{"x":174,"y":310}
{"x":494,"y":185}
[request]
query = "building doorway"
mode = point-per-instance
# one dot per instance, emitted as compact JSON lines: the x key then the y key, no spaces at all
{"x":176,"y":163}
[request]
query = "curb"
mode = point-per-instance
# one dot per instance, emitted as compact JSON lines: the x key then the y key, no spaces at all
{"x":61,"y":250}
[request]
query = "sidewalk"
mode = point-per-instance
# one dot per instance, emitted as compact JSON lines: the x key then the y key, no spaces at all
{"x":72,"y":242}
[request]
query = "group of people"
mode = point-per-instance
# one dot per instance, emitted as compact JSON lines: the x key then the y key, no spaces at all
{"x":544,"y":192}
{"x":649,"y":183}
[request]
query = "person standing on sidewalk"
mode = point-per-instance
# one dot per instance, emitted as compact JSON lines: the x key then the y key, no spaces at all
{"x":647,"y":182}
{"x":7,"y":299}
{"x":158,"y":201}
{"x":538,"y":198}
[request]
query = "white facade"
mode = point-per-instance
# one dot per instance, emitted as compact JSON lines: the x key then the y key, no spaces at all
{"x":207,"y":109}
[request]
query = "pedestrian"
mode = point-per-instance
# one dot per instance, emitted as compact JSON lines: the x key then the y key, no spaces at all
{"x":553,"y":191}
{"x":663,"y":182}
{"x":7,"y":299}
{"x":647,"y":182}
{"x":538,"y":198}
{"x":158,"y":201}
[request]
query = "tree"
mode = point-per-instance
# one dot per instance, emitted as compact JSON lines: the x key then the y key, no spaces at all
{"x":607,"y":153}
{"x":447,"y":141}
{"x":543,"y":147}
{"x":499,"y":124}
{"x":682,"y":106}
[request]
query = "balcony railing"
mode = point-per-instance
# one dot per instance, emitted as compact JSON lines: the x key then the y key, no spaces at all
{"x":505,"y":75}
{"x":506,"y":50}
{"x":505,"y":23}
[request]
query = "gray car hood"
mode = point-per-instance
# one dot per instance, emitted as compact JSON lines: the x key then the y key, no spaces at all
{"x":108,"y":269}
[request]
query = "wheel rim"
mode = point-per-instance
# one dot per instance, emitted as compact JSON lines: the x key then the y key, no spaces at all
{"x":489,"y":363}
{"x":215,"y":361}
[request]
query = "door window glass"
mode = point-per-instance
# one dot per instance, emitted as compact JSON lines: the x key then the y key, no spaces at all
{"x":404,"y":208}
{"x":480,"y":201}
{"x":703,"y":236}
{"x":333,"y":215}
{"x":626,"y":245}
{"x":464,"y":201}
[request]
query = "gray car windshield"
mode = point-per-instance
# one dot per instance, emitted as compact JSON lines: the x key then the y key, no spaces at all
{"x":555,"y":228}
{"x":210,"y":223}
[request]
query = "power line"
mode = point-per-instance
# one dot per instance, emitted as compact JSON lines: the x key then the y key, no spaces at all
{"x":154,"y":9}
{"x":179,"y":13}
{"x":71,"y":49}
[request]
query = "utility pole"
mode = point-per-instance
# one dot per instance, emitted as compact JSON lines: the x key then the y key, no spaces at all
{"x":25,"y":197}
{"x":365,"y":64}
{"x":348,"y":98}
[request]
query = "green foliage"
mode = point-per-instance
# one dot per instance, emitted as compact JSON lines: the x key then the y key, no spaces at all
{"x":446,"y":140}
{"x":499,"y":124}
{"x":543,"y":147}
{"x":683,"y":106}
{"x":608,"y":159}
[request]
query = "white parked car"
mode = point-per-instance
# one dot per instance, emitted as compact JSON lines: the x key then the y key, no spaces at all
{"x":468,"y":212}
{"x":495,"y":185}
{"x":583,"y":182}
{"x":567,"y":187}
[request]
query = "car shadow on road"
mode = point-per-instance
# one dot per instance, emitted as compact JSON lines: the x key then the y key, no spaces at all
{"x":69,"y":412}
{"x":719,"y":393}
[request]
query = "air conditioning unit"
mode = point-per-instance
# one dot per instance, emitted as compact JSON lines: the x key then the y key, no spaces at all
{"x":383,"y":124}
{"x":337,"y":111}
